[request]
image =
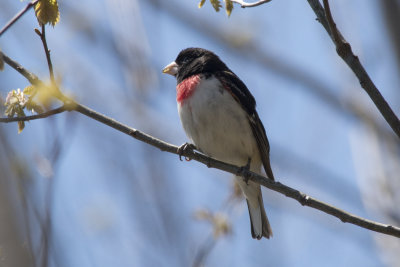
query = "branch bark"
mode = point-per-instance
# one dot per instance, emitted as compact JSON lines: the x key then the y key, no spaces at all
{"x":42,"y":36}
{"x":302,"y":198}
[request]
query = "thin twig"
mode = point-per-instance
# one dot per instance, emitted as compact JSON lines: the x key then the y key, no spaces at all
{"x":32,"y":78}
{"x":302,"y":198}
{"x":244,"y":4}
{"x":344,"y":50}
{"x":37,"y":116}
{"x":17,"y":16}
{"x":42,"y":36}
{"x":336,"y":36}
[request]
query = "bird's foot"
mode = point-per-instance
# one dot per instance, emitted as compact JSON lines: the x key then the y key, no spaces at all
{"x":183,"y":148}
{"x":243,"y":171}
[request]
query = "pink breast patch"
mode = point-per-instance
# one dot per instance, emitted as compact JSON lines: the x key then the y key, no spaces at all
{"x":186,"y":88}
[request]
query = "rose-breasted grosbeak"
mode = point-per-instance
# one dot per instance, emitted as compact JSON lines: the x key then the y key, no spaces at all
{"x":218,"y":113}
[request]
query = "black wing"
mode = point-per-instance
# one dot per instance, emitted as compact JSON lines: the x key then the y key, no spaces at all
{"x":243,"y":96}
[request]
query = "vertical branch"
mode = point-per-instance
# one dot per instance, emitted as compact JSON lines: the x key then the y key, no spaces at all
{"x":47,"y":51}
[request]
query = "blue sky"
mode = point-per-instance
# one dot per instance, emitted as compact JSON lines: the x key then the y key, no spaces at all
{"x":119,"y":202}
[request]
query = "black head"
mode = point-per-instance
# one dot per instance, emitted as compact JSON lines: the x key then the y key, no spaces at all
{"x":191,"y":61}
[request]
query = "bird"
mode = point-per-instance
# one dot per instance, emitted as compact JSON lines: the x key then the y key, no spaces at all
{"x":218,"y":114}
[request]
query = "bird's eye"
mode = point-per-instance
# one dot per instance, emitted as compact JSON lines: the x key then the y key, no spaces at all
{"x":185,"y":60}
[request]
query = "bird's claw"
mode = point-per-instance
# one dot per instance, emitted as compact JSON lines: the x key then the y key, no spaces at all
{"x":243,"y":171}
{"x":183,"y":148}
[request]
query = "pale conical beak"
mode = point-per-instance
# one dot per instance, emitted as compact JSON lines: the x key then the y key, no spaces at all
{"x":171,"y":69}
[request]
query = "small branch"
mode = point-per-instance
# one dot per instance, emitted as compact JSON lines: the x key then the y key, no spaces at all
{"x":344,"y":50}
{"x":334,"y":32}
{"x":35,"y":117}
{"x":302,"y":198}
{"x":32,"y":78}
{"x":243,"y":4}
{"x":42,"y":36}
{"x":17,"y":17}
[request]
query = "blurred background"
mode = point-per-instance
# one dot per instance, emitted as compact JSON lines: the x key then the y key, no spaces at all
{"x":74,"y":192}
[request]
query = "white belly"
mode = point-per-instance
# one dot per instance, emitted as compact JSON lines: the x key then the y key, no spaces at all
{"x":217,"y":125}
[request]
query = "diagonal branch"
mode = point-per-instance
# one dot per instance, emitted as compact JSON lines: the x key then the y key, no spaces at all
{"x":302,"y":198}
{"x":32,"y":78}
{"x":244,"y":4}
{"x":17,"y":16}
{"x":344,"y":50}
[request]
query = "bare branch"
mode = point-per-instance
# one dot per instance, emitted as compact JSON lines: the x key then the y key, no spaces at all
{"x":344,"y":50}
{"x":32,"y":78}
{"x":334,"y":32}
{"x":42,"y":36}
{"x":243,"y":4}
{"x":18,"y":16}
{"x":302,"y":198}
{"x":35,"y":117}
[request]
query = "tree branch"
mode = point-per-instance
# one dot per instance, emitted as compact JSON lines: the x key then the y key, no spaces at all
{"x":243,"y":4}
{"x":35,"y":117}
{"x":344,"y":50}
{"x":32,"y":78}
{"x":18,"y":16}
{"x":302,"y":198}
{"x":42,"y":36}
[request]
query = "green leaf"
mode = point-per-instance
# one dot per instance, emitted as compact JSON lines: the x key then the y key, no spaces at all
{"x":216,"y":4}
{"x":10,"y":111}
{"x":29,"y":90}
{"x":47,"y":12}
{"x":46,"y":94}
{"x":228,"y":7}
{"x":34,"y":107}
{"x":201,"y":3}
{"x":20,"y":112}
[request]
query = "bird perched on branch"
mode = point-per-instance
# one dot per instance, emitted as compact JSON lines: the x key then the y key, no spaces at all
{"x":218,"y":114}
